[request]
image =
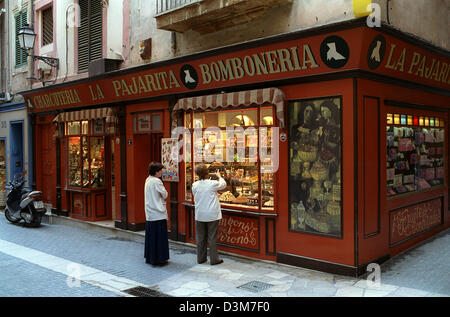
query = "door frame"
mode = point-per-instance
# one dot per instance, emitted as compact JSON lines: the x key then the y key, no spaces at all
{"x":12,"y":125}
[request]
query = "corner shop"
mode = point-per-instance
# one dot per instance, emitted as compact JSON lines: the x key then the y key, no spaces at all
{"x":370,"y":75}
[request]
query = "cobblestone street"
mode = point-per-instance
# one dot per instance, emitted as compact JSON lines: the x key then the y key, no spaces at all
{"x":43,"y":262}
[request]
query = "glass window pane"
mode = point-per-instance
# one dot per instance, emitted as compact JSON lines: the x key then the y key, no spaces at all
{"x":156,"y":122}
{"x":97,"y":162}
{"x":85,"y":127}
{"x":266,"y":116}
{"x":74,"y":168}
{"x":314,"y":166}
{"x":85,"y":161}
{"x":188,"y":165}
{"x":267,"y":168}
{"x":188,"y":182}
{"x":73,"y":128}
{"x":243,"y":118}
{"x":415,"y":158}
{"x":206,"y":120}
{"x":187,"y":121}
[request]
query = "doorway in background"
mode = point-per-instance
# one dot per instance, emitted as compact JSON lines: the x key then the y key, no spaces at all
{"x":16,"y":148}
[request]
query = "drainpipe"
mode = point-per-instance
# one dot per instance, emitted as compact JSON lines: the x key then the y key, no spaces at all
{"x":387,"y":12}
{"x":8,"y":51}
{"x":31,"y":65}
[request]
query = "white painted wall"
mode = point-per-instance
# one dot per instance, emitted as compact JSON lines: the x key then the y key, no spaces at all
{"x":429,"y":19}
{"x":18,"y":75}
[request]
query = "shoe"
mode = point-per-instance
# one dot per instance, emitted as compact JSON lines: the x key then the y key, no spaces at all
{"x":218,"y":262}
{"x":200,"y":262}
{"x":160,"y":264}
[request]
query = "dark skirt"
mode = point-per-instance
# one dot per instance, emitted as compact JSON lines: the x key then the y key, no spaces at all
{"x":156,"y":242}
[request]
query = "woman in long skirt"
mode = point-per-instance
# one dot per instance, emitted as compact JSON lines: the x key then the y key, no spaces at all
{"x":156,"y":240}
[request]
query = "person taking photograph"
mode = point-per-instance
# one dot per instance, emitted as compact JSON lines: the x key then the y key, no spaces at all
{"x":207,"y":213}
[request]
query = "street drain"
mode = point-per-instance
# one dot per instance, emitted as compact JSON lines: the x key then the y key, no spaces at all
{"x":141,"y":291}
{"x":255,"y":286}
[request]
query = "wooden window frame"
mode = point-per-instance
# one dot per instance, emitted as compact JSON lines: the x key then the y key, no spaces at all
{"x":21,"y":58}
{"x":88,"y":35}
{"x":46,"y":39}
{"x":150,"y":115}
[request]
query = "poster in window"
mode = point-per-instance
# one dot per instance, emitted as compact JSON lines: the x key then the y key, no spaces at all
{"x":315,"y":166}
{"x":171,"y":173}
{"x":143,"y":123}
{"x":99,"y":127}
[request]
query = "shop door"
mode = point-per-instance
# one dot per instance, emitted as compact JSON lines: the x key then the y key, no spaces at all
{"x":47,"y":169}
{"x":147,"y":150}
{"x":16,"y":148}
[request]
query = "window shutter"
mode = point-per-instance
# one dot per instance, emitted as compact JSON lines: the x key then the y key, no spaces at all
{"x":90,"y":33}
{"x":47,"y":26}
{"x":20,"y":21}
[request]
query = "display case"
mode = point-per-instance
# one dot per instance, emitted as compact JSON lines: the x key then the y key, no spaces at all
{"x":86,"y":159}
{"x":97,"y":167}
{"x":414,"y":153}
{"x":231,"y":142}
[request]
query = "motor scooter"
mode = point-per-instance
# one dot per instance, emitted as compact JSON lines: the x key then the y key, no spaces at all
{"x":24,"y":205}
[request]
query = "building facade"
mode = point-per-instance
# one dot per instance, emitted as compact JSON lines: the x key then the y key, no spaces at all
{"x":15,"y":121}
{"x":306,"y":97}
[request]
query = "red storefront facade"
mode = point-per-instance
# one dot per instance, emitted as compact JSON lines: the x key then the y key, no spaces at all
{"x":363,"y":179}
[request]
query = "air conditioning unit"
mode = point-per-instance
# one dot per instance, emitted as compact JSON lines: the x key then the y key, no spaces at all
{"x":103,"y":65}
{"x":5,"y":97}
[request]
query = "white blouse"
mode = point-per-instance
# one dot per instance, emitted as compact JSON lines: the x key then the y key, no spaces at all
{"x":155,"y":194}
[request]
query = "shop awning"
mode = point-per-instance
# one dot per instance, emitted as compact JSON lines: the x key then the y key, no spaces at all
{"x":91,"y":114}
{"x":273,"y":96}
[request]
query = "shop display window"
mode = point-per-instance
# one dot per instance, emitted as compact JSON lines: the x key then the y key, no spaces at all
{"x":415,"y":153}
{"x":250,"y":181}
{"x":315,"y":156}
{"x":86,"y":157}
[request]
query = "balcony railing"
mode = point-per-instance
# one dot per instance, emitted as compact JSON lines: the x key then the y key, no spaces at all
{"x":163,"y":6}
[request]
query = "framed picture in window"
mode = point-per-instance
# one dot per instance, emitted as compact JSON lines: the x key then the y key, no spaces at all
{"x":98,"y":126}
{"x":143,"y":123}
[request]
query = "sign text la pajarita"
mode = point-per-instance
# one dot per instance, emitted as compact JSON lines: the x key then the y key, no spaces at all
{"x":419,"y":65}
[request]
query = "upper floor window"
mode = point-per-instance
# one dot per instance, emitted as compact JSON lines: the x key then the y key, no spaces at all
{"x":20,"y":20}
{"x":47,"y":26}
{"x":90,"y":33}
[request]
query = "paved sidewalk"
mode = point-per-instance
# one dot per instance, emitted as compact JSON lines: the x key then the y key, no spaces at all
{"x":112,"y":259}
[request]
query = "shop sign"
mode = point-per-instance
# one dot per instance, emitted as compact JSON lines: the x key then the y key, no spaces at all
{"x":391,"y":56}
{"x":296,"y":58}
{"x":291,"y":59}
{"x":409,"y":221}
{"x":238,"y":231}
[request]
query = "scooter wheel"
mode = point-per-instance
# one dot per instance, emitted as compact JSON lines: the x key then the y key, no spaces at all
{"x":9,"y":217}
{"x":36,"y":221}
